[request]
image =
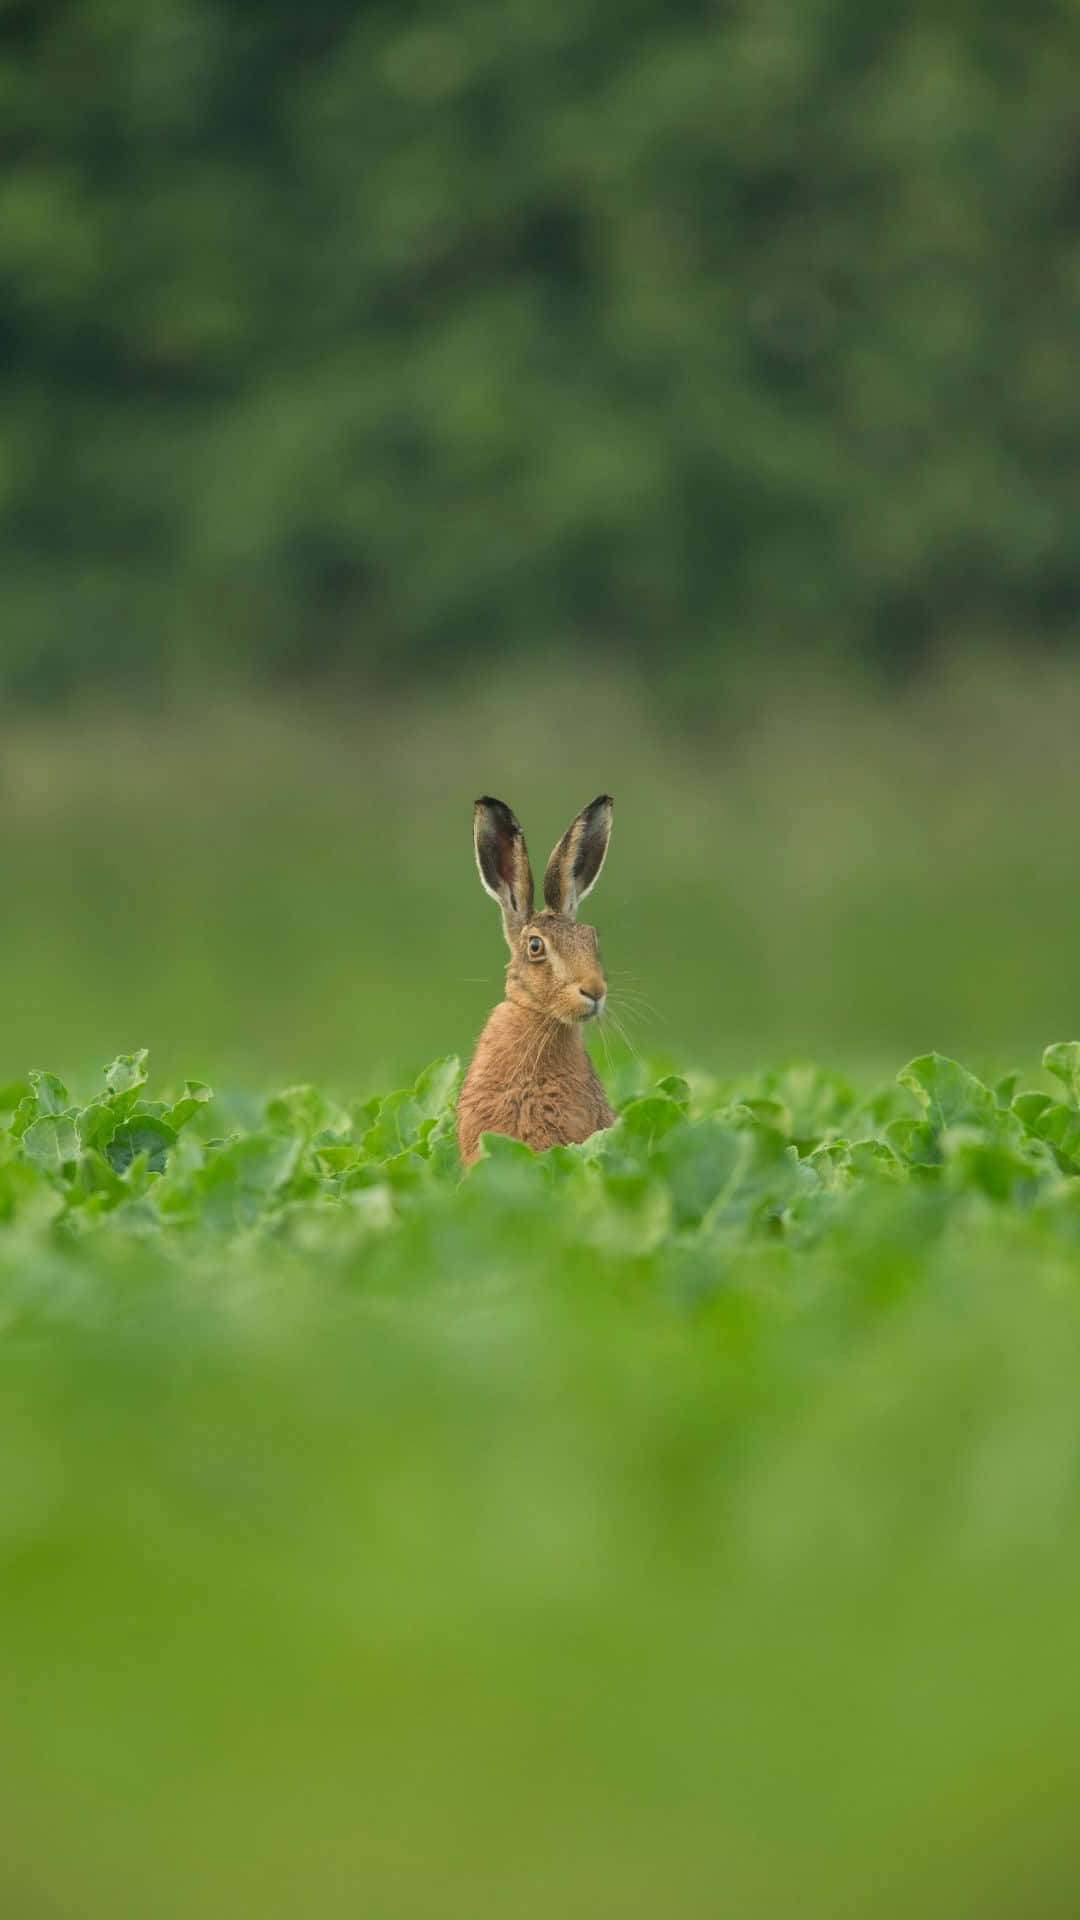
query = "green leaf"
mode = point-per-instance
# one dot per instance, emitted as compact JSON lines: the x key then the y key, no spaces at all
{"x":875,"y":1157}
{"x":393,"y":1128}
{"x":406,"y":1118}
{"x":52,"y":1143}
{"x":1063,"y":1061}
{"x":1028,"y":1107}
{"x":127,"y":1072}
{"x":832,"y":1165}
{"x":914,"y":1141}
{"x":1058,"y":1124}
{"x":435,"y":1089}
{"x":95,"y":1176}
{"x":46,"y":1095}
{"x":995,"y":1170}
{"x":760,"y":1176}
{"x":363,"y":1115}
{"x":141,"y":1133}
{"x":442,"y":1151}
{"x":407,"y":1171}
{"x":97,"y":1124}
{"x":196,"y":1094}
{"x":338,"y":1157}
{"x":239,"y":1182}
{"x":500,"y":1147}
{"x":697,"y":1160}
{"x":645,"y":1121}
{"x":950,"y":1095}
{"x":676,"y":1088}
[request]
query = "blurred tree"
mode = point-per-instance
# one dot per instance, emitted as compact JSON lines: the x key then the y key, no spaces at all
{"x":338,"y":335}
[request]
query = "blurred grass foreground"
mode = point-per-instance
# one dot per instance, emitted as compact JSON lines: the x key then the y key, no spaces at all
{"x":683,"y":1523}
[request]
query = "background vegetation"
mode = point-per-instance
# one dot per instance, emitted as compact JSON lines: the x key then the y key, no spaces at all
{"x":357,"y":339}
{"x":262,"y":893}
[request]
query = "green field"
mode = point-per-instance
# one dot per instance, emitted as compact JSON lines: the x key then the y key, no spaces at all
{"x":263,"y":893}
{"x":681,"y":1523}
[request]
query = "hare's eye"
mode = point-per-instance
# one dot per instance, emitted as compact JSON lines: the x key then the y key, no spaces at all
{"x":536,"y":947}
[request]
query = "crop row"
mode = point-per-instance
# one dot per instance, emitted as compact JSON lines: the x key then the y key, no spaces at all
{"x":690,"y":1164}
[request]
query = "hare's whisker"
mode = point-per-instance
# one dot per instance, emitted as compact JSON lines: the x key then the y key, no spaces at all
{"x":640,"y":1008}
{"x":626,"y":1003}
{"x":547,"y":1025}
{"x":629,"y":997}
{"x":604,"y":1043}
{"x":625,"y":982}
{"x":621,"y":1030}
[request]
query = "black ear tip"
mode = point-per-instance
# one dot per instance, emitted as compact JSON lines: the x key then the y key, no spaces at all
{"x":603,"y":800}
{"x":504,"y":814}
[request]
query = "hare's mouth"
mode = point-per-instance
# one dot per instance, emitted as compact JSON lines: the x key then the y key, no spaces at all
{"x":592,"y":1004}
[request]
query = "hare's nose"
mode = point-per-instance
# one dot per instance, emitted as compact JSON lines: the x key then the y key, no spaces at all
{"x":594,"y":993}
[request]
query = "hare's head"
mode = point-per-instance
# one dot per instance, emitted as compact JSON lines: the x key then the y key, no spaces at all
{"x":554,"y":963}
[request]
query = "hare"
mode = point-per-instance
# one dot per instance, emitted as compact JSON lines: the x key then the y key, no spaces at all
{"x":530,"y":1075}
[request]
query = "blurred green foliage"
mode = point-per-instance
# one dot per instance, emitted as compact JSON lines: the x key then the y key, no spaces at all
{"x":336,"y":337}
{"x":265,"y":892}
{"x":685,"y":1523}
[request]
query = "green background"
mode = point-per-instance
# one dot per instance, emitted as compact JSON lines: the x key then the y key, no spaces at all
{"x":410,"y":401}
{"x":349,"y":340}
{"x":261,"y":891}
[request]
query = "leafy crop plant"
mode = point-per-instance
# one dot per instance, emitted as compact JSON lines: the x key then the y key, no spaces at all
{"x":689,"y":1166}
{"x":683,"y":1522}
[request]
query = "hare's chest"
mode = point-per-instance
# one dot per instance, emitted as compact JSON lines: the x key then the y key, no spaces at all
{"x":542,"y":1113}
{"x":556,"y":1107}
{"x":545,"y":1101}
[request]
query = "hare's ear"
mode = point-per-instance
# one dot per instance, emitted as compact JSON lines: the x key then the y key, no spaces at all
{"x":576,"y":861}
{"x":503,"y":862}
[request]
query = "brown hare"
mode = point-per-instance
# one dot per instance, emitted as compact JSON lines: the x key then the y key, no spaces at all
{"x":530,"y":1075}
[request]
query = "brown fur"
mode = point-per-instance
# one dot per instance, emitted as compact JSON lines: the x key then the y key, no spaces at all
{"x":530,"y":1075}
